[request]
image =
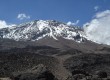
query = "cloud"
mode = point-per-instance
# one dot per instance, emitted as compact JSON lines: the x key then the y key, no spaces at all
{"x":72,"y":23}
{"x":3,"y":24}
{"x":23,"y":16}
{"x":98,"y":29}
{"x":103,"y":14}
{"x":96,"y":8}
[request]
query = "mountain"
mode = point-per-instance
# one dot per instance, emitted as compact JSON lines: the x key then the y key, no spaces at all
{"x":46,"y":33}
{"x":51,"y":50}
{"x":39,"y":29}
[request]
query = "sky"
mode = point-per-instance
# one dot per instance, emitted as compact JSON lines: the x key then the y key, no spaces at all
{"x":76,"y":12}
{"x":92,"y":15}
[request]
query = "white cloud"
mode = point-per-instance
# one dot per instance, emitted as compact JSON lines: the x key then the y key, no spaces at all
{"x":72,"y":23}
{"x":98,"y":30}
{"x":103,"y":14}
{"x":23,"y":16}
{"x":96,"y":8}
{"x":3,"y":24}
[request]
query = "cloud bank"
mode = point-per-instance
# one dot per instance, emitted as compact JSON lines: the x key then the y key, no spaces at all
{"x":72,"y":23}
{"x":98,"y":29}
{"x":3,"y":24}
{"x":23,"y":16}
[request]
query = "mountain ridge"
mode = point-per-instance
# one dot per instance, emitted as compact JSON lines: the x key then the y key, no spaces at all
{"x":38,"y":29}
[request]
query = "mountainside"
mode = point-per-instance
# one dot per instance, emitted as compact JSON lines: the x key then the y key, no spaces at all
{"x":39,"y":29}
{"x":51,"y":50}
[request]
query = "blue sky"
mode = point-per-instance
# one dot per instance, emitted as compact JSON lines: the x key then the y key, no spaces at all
{"x":61,"y":10}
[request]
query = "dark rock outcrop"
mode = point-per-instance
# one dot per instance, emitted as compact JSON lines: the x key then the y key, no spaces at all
{"x":37,"y":73}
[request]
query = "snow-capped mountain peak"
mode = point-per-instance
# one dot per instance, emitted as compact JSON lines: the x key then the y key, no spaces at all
{"x":39,"y":29}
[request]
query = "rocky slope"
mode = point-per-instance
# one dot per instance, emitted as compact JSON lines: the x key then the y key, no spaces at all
{"x":51,"y":50}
